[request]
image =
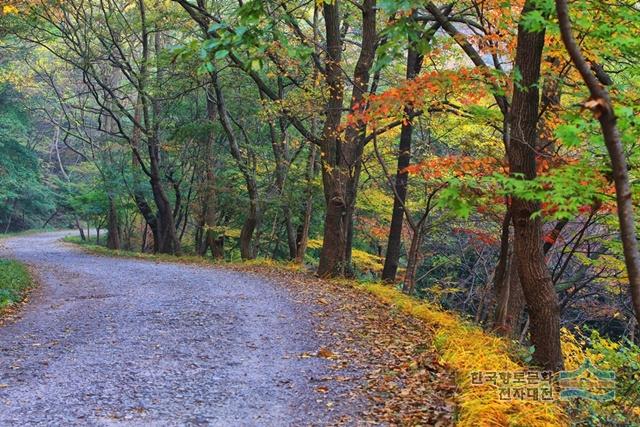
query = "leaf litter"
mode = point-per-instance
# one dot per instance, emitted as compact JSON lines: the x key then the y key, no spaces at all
{"x":387,"y":357}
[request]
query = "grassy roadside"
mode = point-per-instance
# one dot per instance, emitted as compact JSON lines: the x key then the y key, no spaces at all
{"x":463,"y":347}
{"x":15,"y":282}
{"x":15,"y":279}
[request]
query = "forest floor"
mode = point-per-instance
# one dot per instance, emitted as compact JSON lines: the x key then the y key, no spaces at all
{"x":126,"y":341}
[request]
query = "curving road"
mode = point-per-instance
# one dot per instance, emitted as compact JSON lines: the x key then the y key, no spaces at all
{"x":112,"y":341}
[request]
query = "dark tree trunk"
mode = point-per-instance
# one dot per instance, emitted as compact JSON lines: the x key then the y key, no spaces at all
{"x":113,"y":226}
{"x":210,"y":238}
{"x":80,"y":229}
{"x":510,"y":306}
{"x":247,"y":248}
{"x":540,"y":295}
{"x":392,"y":256}
{"x":502,"y":268}
{"x":138,"y":194}
{"x":166,"y":229}
{"x":167,"y":232}
{"x":332,"y":255}
{"x":342,"y":158}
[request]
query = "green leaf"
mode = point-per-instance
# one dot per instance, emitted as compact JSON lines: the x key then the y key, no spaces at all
{"x":221,"y":54}
{"x":569,"y":134}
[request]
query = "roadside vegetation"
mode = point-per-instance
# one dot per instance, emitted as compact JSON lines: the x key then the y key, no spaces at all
{"x":15,"y":281}
{"x":465,"y":348}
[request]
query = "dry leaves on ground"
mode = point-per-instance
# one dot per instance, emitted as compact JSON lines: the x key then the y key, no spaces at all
{"x":387,"y":354}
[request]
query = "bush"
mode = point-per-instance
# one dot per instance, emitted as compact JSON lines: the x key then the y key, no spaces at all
{"x":623,"y":358}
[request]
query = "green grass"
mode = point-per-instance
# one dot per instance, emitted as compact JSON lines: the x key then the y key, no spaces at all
{"x":15,"y":281}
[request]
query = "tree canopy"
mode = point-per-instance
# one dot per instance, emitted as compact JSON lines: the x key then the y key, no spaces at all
{"x":479,"y":154}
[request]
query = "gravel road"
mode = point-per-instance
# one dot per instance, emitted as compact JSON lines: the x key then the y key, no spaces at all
{"x":113,"y":341}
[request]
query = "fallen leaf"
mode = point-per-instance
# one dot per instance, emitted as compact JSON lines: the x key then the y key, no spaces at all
{"x":322,"y":389}
{"x":325,"y":353}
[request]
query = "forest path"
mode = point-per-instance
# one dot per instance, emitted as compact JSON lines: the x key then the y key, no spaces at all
{"x":108,"y":341}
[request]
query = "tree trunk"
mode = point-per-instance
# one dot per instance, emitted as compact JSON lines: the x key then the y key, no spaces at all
{"x":332,"y":255}
{"x":510,"y":302}
{"x":392,"y":256}
{"x":540,"y":295}
{"x":342,"y":158}
{"x":138,"y":194}
{"x":412,"y":261}
{"x":210,"y":239}
{"x":601,"y":105}
{"x":302,"y":237}
{"x":499,"y":273}
{"x":113,"y":226}
{"x":145,"y":232}
{"x":80,"y":229}
{"x":247,"y":250}
{"x":166,"y":229}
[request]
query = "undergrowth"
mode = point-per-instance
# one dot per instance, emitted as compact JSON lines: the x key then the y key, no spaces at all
{"x":466,"y":348}
{"x":15,"y":281}
{"x":91,"y":246}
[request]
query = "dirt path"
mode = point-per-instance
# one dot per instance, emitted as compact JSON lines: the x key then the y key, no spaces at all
{"x":119,"y":341}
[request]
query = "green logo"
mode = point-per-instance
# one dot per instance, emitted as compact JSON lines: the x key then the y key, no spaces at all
{"x":587,"y":382}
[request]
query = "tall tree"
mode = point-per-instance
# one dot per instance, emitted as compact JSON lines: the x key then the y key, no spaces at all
{"x":341,"y":152}
{"x":602,"y":107}
{"x":539,"y":293}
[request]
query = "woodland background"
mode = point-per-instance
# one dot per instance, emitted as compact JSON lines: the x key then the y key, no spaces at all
{"x":453,"y":150}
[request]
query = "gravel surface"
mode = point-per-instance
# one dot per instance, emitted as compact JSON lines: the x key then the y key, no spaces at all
{"x":107,"y":341}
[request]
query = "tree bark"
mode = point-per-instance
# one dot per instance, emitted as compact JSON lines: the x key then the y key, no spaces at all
{"x":113,"y":226}
{"x":540,"y":295}
{"x":412,"y":261}
{"x":392,"y":256}
{"x":342,"y":156}
{"x":502,"y":267}
{"x":79,"y":227}
{"x":247,"y":249}
{"x":163,"y":226}
{"x":303,"y":232}
{"x":210,"y":239}
{"x":510,"y":302}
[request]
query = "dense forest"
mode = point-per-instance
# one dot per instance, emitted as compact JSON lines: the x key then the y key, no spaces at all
{"x":478,"y":154}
